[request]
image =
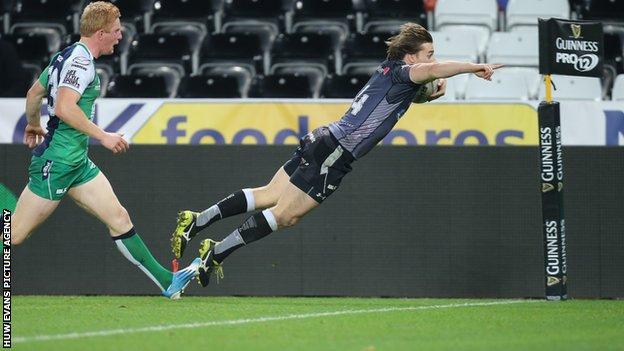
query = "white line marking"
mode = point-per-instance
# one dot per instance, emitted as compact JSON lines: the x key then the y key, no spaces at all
{"x":158,"y":328}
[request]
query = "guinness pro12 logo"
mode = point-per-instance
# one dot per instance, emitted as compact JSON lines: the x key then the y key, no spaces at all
{"x":579,"y":53}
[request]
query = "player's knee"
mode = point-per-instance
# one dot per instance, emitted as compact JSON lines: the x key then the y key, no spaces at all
{"x":285,"y":220}
{"x":121,"y":220}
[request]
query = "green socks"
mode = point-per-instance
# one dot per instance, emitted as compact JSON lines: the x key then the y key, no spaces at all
{"x":134,"y":249}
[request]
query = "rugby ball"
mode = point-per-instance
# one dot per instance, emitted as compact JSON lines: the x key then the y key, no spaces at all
{"x":425,"y":91}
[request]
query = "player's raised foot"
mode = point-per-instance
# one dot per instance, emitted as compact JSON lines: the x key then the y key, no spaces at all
{"x":181,"y":279}
{"x":208,"y":263}
{"x":184,"y":232}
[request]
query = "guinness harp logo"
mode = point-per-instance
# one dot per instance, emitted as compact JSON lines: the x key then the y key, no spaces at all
{"x":552,"y":281}
{"x":546,"y":187}
{"x":576,"y":30}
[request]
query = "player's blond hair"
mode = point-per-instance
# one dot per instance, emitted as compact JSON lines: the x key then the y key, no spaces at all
{"x":408,"y":41}
{"x":97,"y":15}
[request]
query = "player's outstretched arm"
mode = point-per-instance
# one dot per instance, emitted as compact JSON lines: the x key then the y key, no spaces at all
{"x":426,"y":72}
{"x":33,"y":134}
{"x":66,"y":108}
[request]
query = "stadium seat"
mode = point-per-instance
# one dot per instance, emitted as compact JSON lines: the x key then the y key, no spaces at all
{"x":364,"y":50}
{"x":63,"y":14}
{"x":6,"y":6}
{"x":243,"y":49}
{"x":203,"y":11}
{"x":505,"y":85}
{"x":265,"y":15}
{"x":392,"y":13}
{"x":315,"y":74}
{"x":193,"y":32}
{"x":455,"y":45}
{"x":456,"y":87}
{"x":526,"y":12}
{"x":137,"y":86}
{"x":242,"y":73}
{"x":210,"y":86}
{"x":531,"y":76}
{"x":281,"y":86}
{"x":618,"y":89}
{"x":480,"y":35}
{"x":332,"y":13}
{"x":574,"y":88}
{"x":453,"y":12}
{"x":518,"y":48}
{"x":172,"y":73}
{"x":53,"y":37}
{"x":314,"y":49}
{"x":31,"y":47}
{"x":614,"y":50}
{"x":105,"y":77}
{"x":605,"y":10}
{"x":343,"y":87}
{"x":170,"y":48}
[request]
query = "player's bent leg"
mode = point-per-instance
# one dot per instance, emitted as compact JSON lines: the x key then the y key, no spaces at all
{"x":291,"y":206}
{"x":31,"y":210}
{"x":97,"y":197}
{"x":267,"y":196}
{"x":190,"y":223}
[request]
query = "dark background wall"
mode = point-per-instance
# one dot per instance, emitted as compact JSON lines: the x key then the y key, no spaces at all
{"x":408,"y":221}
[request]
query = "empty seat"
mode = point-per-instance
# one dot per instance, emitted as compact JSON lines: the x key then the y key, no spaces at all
{"x":574,"y":88}
{"x":480,"y":35}
{"x":313,"y":48}
{"x":281,"y":86}
{"x":526,"y":12}
{"x":52,"y":35}
{"x":456,"y":87}
{"x":393,"y":13}
{"x":330,"y":12}
{"x":455,"y":45}
{"x":172,"y":48}
{"x":610,"y":10}
{"x":364,"y":50}
{"x":105,"y":78}
{"x":234,"y":48}
{"x":269,"y":14}
{"x":137,"y":86}
{"x":202,"y":11}
{"x":192,"y":31}
{"x":518,"y":48}
{"x":171,"y":73}
{"x":31,"y":47}
{"x":452,"y":12}
{"x":505,"y":85}
{"x":314,"y":74}
{"x":210,"y":86}
{"x":343,"y":87}
{"x":614,"y":50}
{"x":63,"y":13}
{"x":618,"y":89}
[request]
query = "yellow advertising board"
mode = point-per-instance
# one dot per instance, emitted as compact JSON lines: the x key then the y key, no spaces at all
{"x":283,"y":123}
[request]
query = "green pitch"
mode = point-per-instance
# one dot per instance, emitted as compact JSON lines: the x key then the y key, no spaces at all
{"x":238,"y":323}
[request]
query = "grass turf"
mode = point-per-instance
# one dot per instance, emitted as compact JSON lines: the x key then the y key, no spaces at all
{"x":247,"y":323}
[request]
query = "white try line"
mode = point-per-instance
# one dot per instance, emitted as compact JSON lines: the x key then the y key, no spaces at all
{"x":159,"y":328}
